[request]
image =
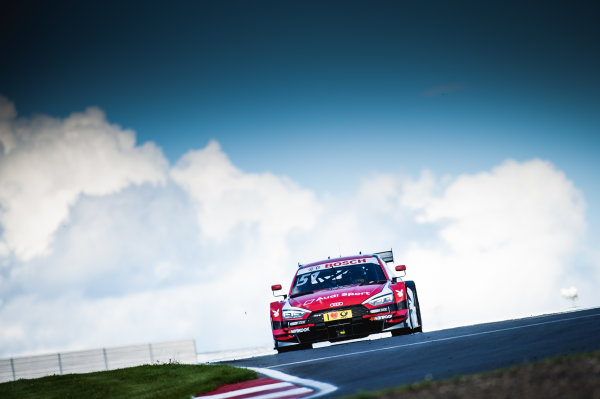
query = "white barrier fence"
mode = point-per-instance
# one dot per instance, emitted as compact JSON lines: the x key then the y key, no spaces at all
{"x":97,"y":360}
{"x":235,"y":354}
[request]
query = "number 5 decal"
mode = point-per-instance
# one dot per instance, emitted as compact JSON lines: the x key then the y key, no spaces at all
{"x":302,"y":280}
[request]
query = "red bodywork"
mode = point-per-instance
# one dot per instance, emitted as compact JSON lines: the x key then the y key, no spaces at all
{"x":297,"y":330}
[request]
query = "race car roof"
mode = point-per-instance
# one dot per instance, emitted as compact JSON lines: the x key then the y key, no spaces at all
{"x":386,"y":256}
{"x":338,"y":261}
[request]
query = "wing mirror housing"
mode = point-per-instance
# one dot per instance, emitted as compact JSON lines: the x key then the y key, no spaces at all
{"x":277,"y":287}
{"x":399,"y":268}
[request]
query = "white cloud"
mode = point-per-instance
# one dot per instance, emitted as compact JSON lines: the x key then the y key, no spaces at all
{"x":208,"y":226}
{"x":528,"y":202}
{"x":226,"y":197}
{"x":196,"y":310}
{"x":48,"y":163}
{"x":505,"y":239}
{"x":95,"y":257}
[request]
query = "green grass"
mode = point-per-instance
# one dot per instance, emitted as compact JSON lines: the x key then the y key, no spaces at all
{"x":170,"y":381}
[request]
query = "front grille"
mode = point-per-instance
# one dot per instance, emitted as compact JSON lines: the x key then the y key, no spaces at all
{"x":357,"y":326}
{"x":358,"y":311}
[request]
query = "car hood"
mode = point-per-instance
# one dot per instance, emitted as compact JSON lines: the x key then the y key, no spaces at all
{"x":345,"y":296}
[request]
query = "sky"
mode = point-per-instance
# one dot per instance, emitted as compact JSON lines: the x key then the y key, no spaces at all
{"x":162,"y":165}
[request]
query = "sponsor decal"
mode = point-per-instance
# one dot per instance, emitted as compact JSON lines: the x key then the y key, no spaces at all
{"x":275,"y":313}
{"x":333,"y":316}
{"x":339,"y":263}
{"x":356,"y":293}
{"x":345,"y":263}
{"x":335,"y":304}
{"x":301,"y":330}
{"x":322,"y":298}
{"x":312,"y":269}
{"x":400,"y":293}
{"x":334,"y":296}
{"x":319,"y":267}
{"x":379,"y":310}
{"x":384,"y":317}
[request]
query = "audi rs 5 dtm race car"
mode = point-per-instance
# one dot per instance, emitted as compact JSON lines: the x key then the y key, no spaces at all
{"x":344,"y":298}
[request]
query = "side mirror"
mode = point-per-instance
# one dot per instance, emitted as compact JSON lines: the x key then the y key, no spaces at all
{"x":277,"y":287}
{"x":400,"y":268}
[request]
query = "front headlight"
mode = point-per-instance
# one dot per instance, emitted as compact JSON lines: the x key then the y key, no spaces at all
{"x":294,"y":313}
{"x":381,"y":300}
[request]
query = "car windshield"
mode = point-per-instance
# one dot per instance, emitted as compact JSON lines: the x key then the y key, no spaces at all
{"x":337,"y":277}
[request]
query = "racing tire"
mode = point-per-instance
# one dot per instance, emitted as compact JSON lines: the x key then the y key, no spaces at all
{"x":414,"y":312}
{"x":413,"y":322}
{"x":414,"y":309}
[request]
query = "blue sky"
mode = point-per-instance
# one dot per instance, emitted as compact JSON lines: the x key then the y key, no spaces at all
{"x":328,"y":95}
{"x":454,"y":87}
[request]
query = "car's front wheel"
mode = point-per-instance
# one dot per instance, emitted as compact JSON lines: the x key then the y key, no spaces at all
{"x":414,"y":309}
{"x":413,"y":321}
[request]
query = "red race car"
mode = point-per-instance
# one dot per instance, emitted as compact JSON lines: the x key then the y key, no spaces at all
{"x":344,"y":298}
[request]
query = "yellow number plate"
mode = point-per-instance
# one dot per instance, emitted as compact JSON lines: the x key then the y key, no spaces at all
{"x":339,"y":315}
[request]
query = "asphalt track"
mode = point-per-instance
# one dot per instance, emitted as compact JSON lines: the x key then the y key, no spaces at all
{"x":389,"y":362}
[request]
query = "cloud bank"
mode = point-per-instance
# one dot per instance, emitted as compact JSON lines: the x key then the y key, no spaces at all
{"x":505,"y":237}
{"x":104,"y":243}
{"x":48,"y":163}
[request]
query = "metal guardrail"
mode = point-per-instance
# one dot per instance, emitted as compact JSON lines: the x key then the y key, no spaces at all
{"x":102,"y":359}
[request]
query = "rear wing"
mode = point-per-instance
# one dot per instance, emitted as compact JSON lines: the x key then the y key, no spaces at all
{"x":386,"y":256}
